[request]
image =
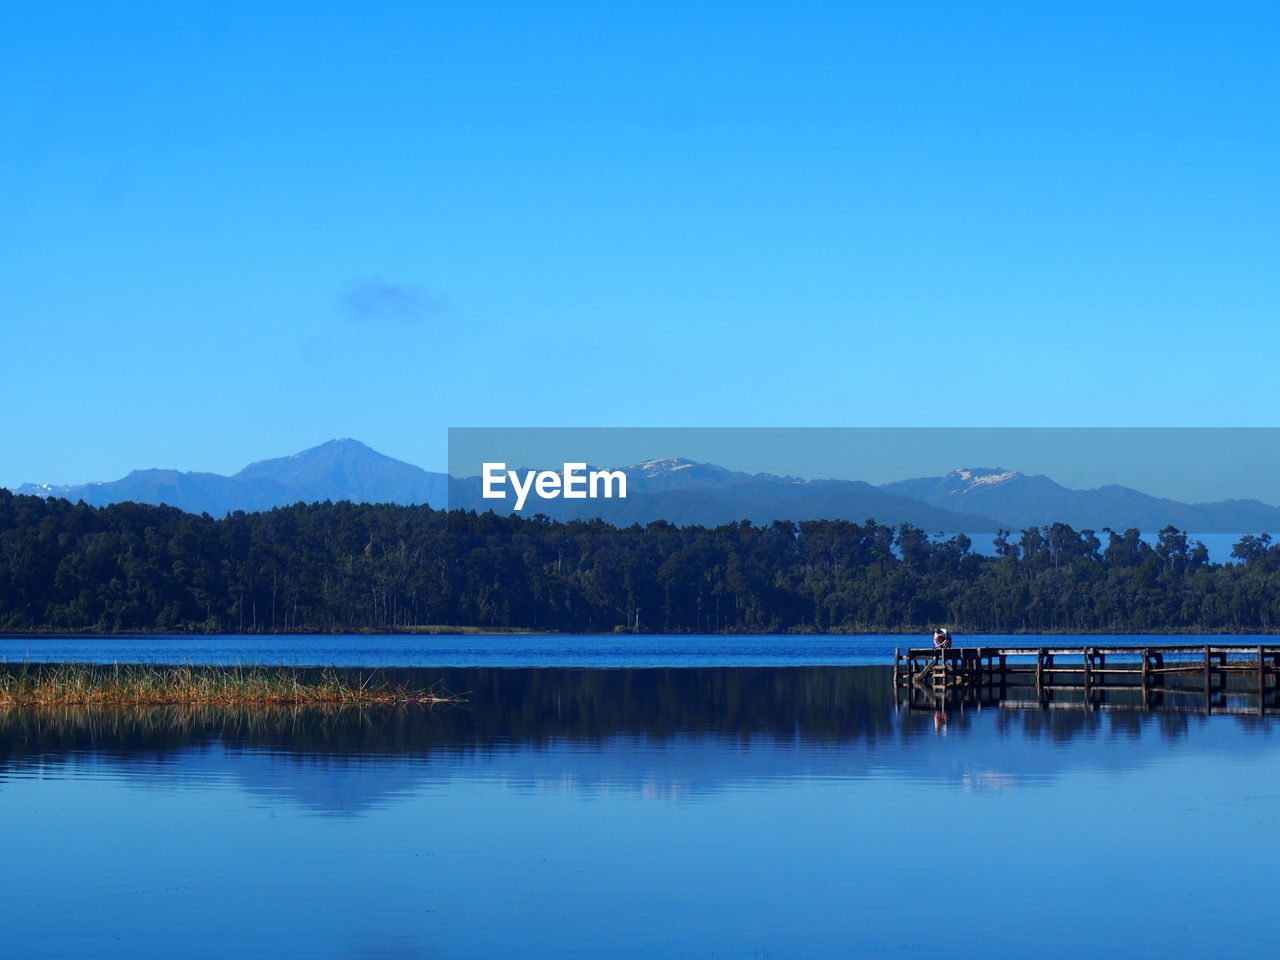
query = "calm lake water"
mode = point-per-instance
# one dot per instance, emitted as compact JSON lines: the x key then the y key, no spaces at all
{"x":550,"y":650}
{"x":725,"y":811}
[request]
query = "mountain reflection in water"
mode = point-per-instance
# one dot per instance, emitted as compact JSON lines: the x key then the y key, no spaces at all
{"x":677,"y":733}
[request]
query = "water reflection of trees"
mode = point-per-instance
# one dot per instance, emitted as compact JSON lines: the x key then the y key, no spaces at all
{"x":841,"y":705}
{"x":504,"y":706}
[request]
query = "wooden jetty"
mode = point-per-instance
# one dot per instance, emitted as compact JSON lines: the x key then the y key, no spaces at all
{"x":1224,"y":678}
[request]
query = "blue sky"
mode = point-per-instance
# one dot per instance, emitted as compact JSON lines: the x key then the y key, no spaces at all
{"x":234,"y":232}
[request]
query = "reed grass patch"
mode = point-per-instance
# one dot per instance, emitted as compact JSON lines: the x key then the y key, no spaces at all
{"x":146,"y":684}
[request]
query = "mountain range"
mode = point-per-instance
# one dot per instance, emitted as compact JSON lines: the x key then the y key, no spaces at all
{"x":1021,"y":501}
{"x":971,"y":500}
{"x":684,"y":492}
{"x":338,"y":470}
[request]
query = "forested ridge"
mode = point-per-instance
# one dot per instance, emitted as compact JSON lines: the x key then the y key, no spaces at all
{"x":353,"y":567}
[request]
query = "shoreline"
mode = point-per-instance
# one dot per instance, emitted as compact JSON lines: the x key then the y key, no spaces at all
{"x":515,"y":632}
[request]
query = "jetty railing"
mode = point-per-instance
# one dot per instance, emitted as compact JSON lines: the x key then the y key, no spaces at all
{"x":1223,"y":678}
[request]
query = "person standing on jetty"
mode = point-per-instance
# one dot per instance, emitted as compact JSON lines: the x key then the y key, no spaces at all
{"x":941,"y":641}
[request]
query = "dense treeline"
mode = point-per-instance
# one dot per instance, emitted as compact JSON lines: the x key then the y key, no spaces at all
{"x":343,"y":566}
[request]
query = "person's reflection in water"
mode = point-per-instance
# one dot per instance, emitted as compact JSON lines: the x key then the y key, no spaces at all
{"x":940,"y":721}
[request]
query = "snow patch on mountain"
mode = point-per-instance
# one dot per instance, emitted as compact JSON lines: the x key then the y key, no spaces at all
{"x":44,"y":490}
{"x":977,"y":477}
{"x":653,"y":468}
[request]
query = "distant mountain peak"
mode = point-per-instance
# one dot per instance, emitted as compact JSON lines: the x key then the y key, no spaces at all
{"x":42,"y":489}
{"x":1022,"y":500}
{"x":983,"y":476}
{"x":341,"y":469}
{"x":673,"y":473}
{"x":329,"y":454}
{"x":338,"y":443}
{"x":651,"y":468}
